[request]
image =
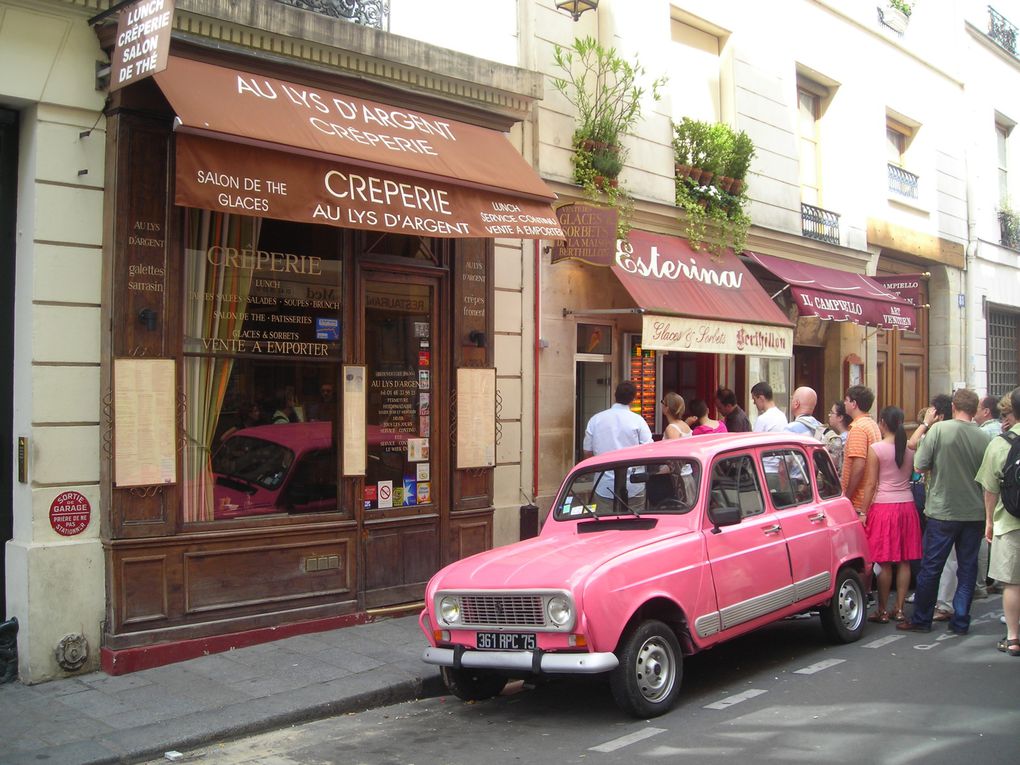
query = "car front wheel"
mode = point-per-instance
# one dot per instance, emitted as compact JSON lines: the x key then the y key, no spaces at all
{"x":843,"y":618}
{"x":472,"y":684}
{"x":646,"y":683}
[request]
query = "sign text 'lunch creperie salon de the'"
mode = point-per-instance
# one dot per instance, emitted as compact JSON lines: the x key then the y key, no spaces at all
{"x":678,"y":333}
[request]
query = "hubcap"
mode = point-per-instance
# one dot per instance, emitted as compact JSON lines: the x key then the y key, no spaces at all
{"x":850,"y":607}
{"x":655,"y":669}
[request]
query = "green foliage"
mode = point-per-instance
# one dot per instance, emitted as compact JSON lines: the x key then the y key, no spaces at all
{"x":603,"y":87}
{"x":903,"y":6}
{"x":741,"y":154}
{"x":715,"y":219}
{"x":1009,"y":227}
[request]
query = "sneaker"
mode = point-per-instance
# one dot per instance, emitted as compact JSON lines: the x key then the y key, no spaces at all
{"x":910,"y":598}
{"x":981,"y":594}
{"x":955,"y":631}
{"x":1002,"y":618}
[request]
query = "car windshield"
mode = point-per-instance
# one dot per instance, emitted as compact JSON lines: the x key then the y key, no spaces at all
{"x":253,"y":460}
{"x":630,"y":488}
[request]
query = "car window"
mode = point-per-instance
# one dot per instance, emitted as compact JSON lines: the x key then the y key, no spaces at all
{"x":253,"y":461}
{"x":312,"y":486}
{"x":825,"y":476}
{"x":669,"y":486}
{"x":786,"y":475}
{"x":735,"y":484}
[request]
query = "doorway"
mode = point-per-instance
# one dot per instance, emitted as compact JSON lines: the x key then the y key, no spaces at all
{"x":809,"y":371}
{"x":692,"y":375}
{"x":404,"y":479}
{"x":594,"y":390}
{"x":8,"y":218}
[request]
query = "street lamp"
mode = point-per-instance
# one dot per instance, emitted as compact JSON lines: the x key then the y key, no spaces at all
{"x":576,"y":7}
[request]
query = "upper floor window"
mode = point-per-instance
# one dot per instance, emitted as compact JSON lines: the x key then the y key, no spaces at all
{"x":1002,"y":159}
{"x":809,"y":113}
{"x":695,"y":52}
{"x":898,"y":136}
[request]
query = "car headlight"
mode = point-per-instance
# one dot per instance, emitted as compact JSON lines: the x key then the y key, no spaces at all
{"x":559,"y":611}
{"x":449,"y":609}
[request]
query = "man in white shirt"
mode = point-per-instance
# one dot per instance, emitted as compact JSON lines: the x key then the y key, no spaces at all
{"x":770,"y":417}
{"x":616,"y":427}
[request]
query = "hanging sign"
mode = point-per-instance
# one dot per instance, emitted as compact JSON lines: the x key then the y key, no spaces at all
{"x":906,"y":286}
{"x":590,"y":232}
{"x":142,"y":47}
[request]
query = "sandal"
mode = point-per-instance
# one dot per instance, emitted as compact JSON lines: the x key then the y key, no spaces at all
{"x":942,"y":616}
{"x":879,"y":617}
{"x":897,"y":616}
{"x":1010,"y":646}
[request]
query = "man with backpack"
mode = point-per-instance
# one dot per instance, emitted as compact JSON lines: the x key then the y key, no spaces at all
{"x":999,"y":476}
{"x":802,"y":406}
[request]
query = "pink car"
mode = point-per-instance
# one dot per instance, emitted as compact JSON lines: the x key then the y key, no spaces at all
{"x":650,"y":554}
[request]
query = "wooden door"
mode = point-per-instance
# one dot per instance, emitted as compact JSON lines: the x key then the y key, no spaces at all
{"x":902,"y":377}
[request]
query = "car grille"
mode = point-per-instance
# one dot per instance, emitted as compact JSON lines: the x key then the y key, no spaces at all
{"x":503,"y":610}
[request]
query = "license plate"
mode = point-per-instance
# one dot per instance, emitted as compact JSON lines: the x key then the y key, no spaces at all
{"x":505,"y":641}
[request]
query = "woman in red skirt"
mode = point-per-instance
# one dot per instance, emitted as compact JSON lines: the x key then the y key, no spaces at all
{"x":891,"y":523}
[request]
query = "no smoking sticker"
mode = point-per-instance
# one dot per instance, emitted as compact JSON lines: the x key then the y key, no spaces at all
{"x":70,"y":514}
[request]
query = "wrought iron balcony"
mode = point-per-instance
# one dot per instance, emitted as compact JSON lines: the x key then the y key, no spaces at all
{"x":1001,"y":30}
{"x":369,"y":13}
{"x":902,"y":182}
{"x":1009,"y":229}
{"x":816,"y":223}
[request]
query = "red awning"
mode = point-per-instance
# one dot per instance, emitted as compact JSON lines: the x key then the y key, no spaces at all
{"x":256,"y":145}
{"x":841,"y":295}
{"x":697,"y":302}
{"x":665,"y":275}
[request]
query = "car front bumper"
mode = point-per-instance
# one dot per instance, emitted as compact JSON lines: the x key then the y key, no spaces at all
{"x":522,"y":661}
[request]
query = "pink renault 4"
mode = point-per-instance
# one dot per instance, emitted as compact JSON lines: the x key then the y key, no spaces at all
{"x":650,"y":554}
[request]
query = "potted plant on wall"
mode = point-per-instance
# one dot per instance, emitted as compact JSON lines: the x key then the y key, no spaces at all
{"x":605,"y":90}
{"x":711,"y":164}
{"x":895,"y":14}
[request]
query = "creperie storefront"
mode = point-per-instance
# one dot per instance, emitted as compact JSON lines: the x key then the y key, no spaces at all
{"x":301,"y":358}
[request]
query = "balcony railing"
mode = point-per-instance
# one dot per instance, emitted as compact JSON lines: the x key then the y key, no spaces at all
{"x":369,"y":13}
{"x":1001,"y":30}
{"x":902,"y":182}
{"x":1009,"y":229}
{"x":816,"y":223}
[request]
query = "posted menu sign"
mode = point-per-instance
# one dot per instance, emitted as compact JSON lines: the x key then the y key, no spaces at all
{"x":143,"y":42}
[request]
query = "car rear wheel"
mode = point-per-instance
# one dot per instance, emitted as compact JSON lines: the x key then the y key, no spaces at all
{"x":473,"y":684}
{"x":646,"y":683}
{"x":843,"y":619}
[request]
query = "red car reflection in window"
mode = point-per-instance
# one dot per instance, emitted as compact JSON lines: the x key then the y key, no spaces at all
{"x":269,"y":469}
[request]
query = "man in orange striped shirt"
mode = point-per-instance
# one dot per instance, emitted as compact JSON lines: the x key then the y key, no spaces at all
{"x":863,"y":433}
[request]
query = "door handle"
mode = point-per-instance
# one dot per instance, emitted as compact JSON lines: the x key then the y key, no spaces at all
{"x":774,"y":529}
{"x":819,"y":516}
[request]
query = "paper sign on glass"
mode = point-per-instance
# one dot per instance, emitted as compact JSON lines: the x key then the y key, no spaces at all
{"x":476,"y":418}
{"x":145,"y":422}
{"x":355,"y":450}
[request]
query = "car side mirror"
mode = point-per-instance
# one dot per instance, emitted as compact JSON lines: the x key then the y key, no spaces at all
{"x":724,"y":516}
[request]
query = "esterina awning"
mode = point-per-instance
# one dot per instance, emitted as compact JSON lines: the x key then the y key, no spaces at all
{"x":697,"y":302}
{"x":840,"y":295}
{"x":256,"y":145}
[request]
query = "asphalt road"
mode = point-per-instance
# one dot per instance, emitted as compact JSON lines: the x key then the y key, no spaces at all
{"x":780,"y":695}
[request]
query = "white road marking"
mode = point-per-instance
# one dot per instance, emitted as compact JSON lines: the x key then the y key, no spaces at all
{"x":630,"y":738}
{"x":883,"y":641}
{"x":818,"y":667}
{"x":736,"y":698}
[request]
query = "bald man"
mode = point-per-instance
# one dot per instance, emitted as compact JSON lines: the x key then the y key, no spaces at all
{"x":802,"y":421}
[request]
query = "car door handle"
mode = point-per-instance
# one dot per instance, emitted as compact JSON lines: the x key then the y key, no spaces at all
{"x":819,"y":516}
{"x":774,"y":529}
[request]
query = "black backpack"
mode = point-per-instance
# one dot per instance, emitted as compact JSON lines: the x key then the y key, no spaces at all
{"x":1009,"y":491}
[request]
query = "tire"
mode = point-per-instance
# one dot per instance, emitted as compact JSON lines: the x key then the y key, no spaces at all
{"x":646,"y":683}
{"x":472,"y":684}
{"x":843,"y":619}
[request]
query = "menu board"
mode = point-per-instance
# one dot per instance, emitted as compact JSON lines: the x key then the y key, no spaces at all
{"x":642,"y":374}
{"x":476,"y":418}
{"x":144,"y":422}
{"x":354,"y":420}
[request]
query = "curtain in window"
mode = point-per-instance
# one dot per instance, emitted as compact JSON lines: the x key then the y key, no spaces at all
{"x":215,"y":296}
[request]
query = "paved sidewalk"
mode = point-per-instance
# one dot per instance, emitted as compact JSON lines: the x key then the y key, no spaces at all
{"x":97,"y":718}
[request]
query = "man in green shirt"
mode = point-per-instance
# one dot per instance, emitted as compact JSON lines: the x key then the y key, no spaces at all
{"x":952,"y":451}
{"x":1003,"y":531}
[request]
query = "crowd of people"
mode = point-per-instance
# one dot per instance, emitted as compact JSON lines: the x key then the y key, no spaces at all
{"x":931,"y":500}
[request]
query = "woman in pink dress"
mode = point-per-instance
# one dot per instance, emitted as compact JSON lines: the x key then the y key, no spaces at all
{"x":891,"y":523}
{"x":699,"y":409}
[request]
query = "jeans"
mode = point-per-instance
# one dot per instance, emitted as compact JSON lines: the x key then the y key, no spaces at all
{"x":940,"y":537}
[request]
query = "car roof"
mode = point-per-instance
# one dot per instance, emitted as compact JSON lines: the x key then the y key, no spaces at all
{"x":702,"y":447}
{"x":296,"y":436}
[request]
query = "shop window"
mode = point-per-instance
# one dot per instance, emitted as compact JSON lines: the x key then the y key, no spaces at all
{"x":262,"y":349}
